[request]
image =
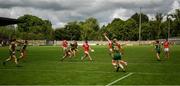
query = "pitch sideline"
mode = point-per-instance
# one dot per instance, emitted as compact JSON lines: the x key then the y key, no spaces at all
{"x":121,"y":78}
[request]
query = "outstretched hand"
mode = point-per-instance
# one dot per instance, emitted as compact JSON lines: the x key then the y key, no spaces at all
{"x":105,"y":34}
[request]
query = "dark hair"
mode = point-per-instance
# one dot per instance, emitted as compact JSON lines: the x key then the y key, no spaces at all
{"x":114,"y":40}
{"x":26,"y":41}
{"x":157,"y":41}
{"x":86,"y":41}
{"x":13,"y":39}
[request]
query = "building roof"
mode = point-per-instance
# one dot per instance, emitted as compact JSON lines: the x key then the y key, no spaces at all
{"x":8,"y":21}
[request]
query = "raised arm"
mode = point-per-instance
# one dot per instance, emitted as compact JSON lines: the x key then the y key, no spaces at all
{"x":10,"y":47}
{"x":106,"y":37}
{"x":19,"y":42}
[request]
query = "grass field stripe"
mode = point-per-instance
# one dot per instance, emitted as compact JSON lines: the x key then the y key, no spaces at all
{"x":120,"y":79}
{"x":110,"y":63}
{"x":45,"y":70}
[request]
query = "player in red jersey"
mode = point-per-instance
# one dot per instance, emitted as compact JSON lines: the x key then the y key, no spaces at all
{"x":66,"y":50}
{"x":64,"y":45}
{"x":166,"y":48}
{"x":86,"y":48}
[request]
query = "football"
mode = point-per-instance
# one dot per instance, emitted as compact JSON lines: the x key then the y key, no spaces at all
{"x":92,"y":50}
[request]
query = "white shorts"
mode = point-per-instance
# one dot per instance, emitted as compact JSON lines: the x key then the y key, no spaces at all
{"x":64,"y":48}
{"x":166,"y":49}
{"x":86,"y":52}
{"x":110,"y":50}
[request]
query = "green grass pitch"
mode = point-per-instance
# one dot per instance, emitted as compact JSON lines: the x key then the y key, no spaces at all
{"x":42,"y":67}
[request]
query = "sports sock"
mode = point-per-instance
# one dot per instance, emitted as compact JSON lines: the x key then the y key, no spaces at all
{"x":120,"y":65}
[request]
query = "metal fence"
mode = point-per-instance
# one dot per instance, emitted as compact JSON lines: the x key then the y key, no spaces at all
{"x":57,"y":43}
{"x":128,"y":43}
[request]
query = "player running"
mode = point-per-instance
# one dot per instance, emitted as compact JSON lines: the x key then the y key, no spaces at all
{"x":74,"y":47}
{"x":158,"y":50}
{"x":66,"y":50}
{"x":64,"y":45}
{"x":67,"y":53}
{"x":166,"y":48}
{"x":23,"y":51}
{"x":86,"y":48}
{"x":116,"y":52}
{"x":12,"y":52}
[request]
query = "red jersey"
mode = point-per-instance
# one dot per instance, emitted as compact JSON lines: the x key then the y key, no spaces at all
{"x":166,"y":44}
{"x":65,"y":43}
{"x":86,"y":46}
{"x":116,"y":44}
{"x":110,"y":44}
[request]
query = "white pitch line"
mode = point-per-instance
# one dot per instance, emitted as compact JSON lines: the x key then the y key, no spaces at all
{"x":119,"y":79}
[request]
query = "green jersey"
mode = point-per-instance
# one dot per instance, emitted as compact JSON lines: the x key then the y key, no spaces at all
{"x":158,"y":48}
{"x":116,"y":52}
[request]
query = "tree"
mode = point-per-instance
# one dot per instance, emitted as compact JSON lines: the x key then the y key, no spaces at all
{"x":115,"y":29}
{"x":176,"y":15}
{"x":147,"y":32}
{"x":35,"y":26}
{"x":159,"y":18}
{"x":60,"y":34}
{"x":144,"y":17}
{"x":176,"y":24}
{"x":71,"y":31}
{"x":90,"y":26}
{"x":130,"y":30}
{"x":7,"y":32}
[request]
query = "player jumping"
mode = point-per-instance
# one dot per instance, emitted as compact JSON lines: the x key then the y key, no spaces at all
{"x":116,"y":52}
